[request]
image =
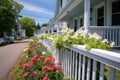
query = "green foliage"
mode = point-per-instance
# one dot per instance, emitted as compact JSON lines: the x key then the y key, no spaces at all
{"x":44,"y":25}
{"x":37,"y":27}
{"x":9,"y":13}
{"x":48,"y":54}
{"x":30,"y":31}
{"x":28,"y":24}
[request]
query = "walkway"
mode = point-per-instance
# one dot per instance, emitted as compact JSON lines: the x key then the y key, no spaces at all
{"x":8,"y":57}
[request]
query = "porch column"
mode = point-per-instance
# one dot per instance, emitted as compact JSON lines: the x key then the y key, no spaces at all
{"x":58,"y":28}
{"x":51,"y":30}
{"x":86,"y":14}
{"x":108,"y":12}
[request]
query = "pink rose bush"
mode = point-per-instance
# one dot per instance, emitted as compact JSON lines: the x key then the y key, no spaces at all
{"x":33,"y":65}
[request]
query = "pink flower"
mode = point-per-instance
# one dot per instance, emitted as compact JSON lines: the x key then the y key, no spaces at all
{"x":58,"y":67}
{"x":31,"y":62}
{"x":47,"y":60}
{"x":33,"y":59}
{"x":26,"y":74}
{"x":26,"y":66}
{"x":58,"y":63}
{"x":36,"y":56}
{"x":35,"y":47}
{"x":50,"y":68}
{"x":35,"y":73}
{"x":57,"y":71}
{"x":42,"y":57}
{"x":45,"y":78}
{"x":52,"y":65}
{"x":19,"y":62}
{"x":44,"y":68}
{"x":52,"y":60}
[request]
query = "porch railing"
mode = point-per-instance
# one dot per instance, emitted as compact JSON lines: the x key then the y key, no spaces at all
{"x":79,"y":64}
{"x":112,"y":33}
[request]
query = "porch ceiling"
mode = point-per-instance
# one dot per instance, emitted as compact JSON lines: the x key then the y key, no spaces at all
{"x":64,"y":12}
{"x":77,"y":11}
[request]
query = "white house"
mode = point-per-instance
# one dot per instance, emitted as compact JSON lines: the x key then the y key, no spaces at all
{"x":94,"y":16}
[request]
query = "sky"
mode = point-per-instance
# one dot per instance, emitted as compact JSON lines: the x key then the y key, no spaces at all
{"x":39,"y":10}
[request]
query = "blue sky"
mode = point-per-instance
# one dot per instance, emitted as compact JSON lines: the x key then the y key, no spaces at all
{"x":39,"y":10}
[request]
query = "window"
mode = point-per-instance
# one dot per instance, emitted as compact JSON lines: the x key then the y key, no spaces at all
{"x":61,"y":3}
{"x":54,"y":30}
{"x":116,"y":13}
{"x":100,"y":16}
{"x":81,"y":22}
{"x":75,"y":25}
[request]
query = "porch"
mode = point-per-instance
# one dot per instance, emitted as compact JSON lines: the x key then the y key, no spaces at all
{"x":80,"y":64}
{"x":94,"y":16}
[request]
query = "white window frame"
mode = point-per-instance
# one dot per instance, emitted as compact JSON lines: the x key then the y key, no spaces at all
{"x":95,"y":12}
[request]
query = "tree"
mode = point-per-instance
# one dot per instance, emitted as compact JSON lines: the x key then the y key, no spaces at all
{"x":38,"y":26}
{"x":28,"y":24}
{"x":44,"y":25}
{"x":9,"y":12}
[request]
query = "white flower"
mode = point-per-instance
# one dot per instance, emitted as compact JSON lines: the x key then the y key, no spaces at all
{"x":112,"y":44}
{"x":95,"y":36}
{"x":75,"y":36}
{"x":25,"y":49}
{"x":65,"y":38}
{"x":43,"y":53}
{"x":105,"y":41}
{"x":80,"y":32}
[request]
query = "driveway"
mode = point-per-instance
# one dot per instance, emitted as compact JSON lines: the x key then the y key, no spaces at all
{"x":9,"y":55}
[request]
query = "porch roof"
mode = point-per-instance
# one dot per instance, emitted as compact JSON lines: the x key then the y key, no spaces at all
{"x":64,"y":11}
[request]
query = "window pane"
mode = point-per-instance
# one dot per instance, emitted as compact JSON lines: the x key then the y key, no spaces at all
{"x":81,"y":22}
{"x":116,"y":13}
{"x":116,"y":19}
{"x":75,"y":27}
{"x":100,"y":11}
{"x":100,"y":21}
{"x":116,"y":7}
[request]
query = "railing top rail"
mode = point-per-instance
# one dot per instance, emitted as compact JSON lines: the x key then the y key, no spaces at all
{"x":106,"y":27}
{"x":103,"y":53}
{"x":103,"y":27}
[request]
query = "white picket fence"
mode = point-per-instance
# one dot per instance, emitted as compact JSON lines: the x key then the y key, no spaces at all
{"x":79,"y":64}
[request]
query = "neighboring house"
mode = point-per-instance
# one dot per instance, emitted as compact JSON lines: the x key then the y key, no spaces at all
{"x":56,"y":27}
{"x":42,"y":31}
{"x":95,"y":16}
{"x":19,"y":33}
